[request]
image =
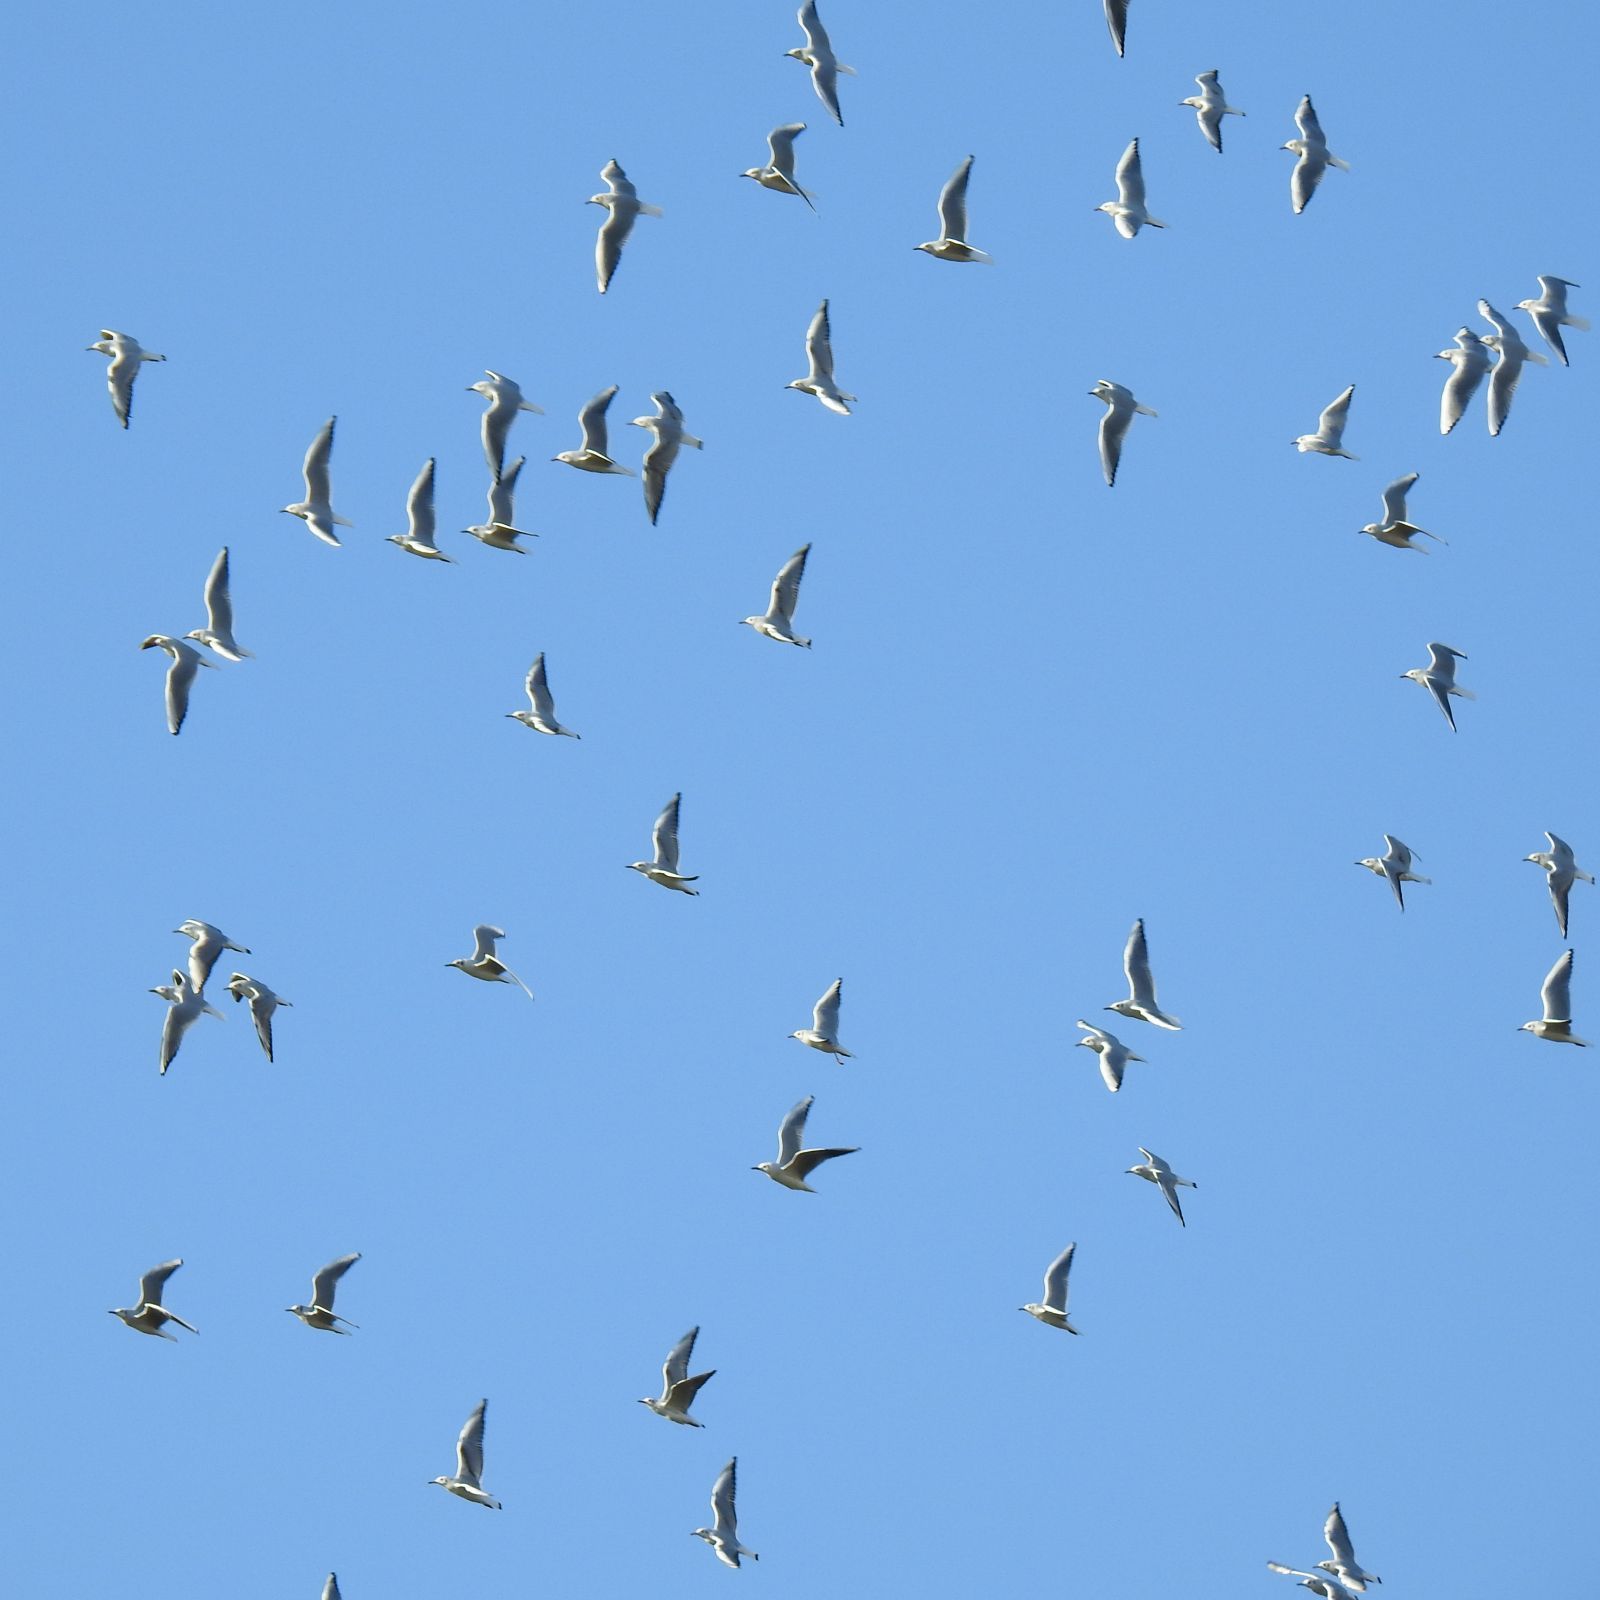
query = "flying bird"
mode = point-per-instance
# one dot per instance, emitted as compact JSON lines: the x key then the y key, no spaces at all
{"x":1550,"y":314}
{"x":484,"y":964}
{"x":666,"y":428}
{"x":468,"y":1481}
{"x":1113,"y":1053}
{"x":1141,"y":1001}
{"x":1556,"y":997}
{"x":723,"y":1534}
{"x":1154,"y":1170}
{"x":1468,"y":363}
{"x":1344,"y":1565}
{"x":951,"y":245}
{"x":778,"y":173}
{"x":1507,"y":343}
{"x":1117,"y":22}
{"x":795,"y":1165}
{"x":184,"y":1004}
{"x":1210,"y":107}
{"x":542,"y":718}
{"x":823,"y":1034}
{"x":316,"y":510}
{"x":505,"y":401}
{"x":778,"y":623}
{"x":1120,"y":410}
{"x":127,"y":354}
{"x":622,"y":205}
{"x":1328,"y":440}
{"x":1393,"y":529}
{"x":1319,"y":1583}
{"x":150,"y":1316}
{"x":263,"y":1002}
{"x":500,"y":532}
{"x":1314,"y":156}
{"x":209,"y":943}
{"x":1563,"y":870}
{"x":1052,"y":1309}
{"x":817,"y":53}
{"x":819,"y":379}
{"x":186,"y":661}
{"x":421,"y":523}
{"x":592,"y":456}
{"x":678,"y":1389}
{"x":1128,"y":209}
{"x":664,"y":842}
{"x":217,"y":635}
{"x":320,"y":1313}
{"x":1439,"y":679}
{"x":1394,"y":867}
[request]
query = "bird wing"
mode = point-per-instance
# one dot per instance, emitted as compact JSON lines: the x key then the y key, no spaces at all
{"x":592,"y":419}
{"x":780,"y":148}
{"x":819,"y":348}
{"x":786,"y":587}
{"x":676,"y":1368}
{"x":664,"y":836}
{"x":1130,"y":177}
{"x":323,"y":1285}
{"x":816,"y":39}
{"x":1338,"y":1538}
{"x":483,"y":938}
{"x":1442,"y":661}
{"x":1168,"y":1188}
{"x":792,"y":1129}
{"x":330,"y":1590}
{"x":1331,"y":423}
{"x":1055,"y":1279}
{"x":825,"y":1015}
{"x":722,"y":1491}
{"x":1394,"y":498}
{"x":1113,"y":428}
{"x":503,"y":494}
{"x":1117,"y":22}
{"x":1136,"y":965}
{"x":1304,"y":179}
{"x":807,"y":1161}
{"x":180,"y":675}
{"x":219,"y":607}
{"x":155,"y":1280}
{"x":1398,"y":853}
{"x":469,"y":1447}
{"x":1305,"y":119}
{"x":1557,"y":991}
{"x":1466,"y":374}
{"x":953,"y":203}
{"x":608,"y":244}
{"x":1503,"y":381}
{"x":538,"y":687}
{"x":315,"y":469}
{"x":1290,"y":1572}
{"x":419,"y":505}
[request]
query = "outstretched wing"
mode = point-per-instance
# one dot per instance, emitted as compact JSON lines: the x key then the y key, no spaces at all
{"x":1130,"y":177}
{"x":1305,"y":119}
{"x":819,"y":344}
{"x":723,"y":1518}
{"x":419,"y":505}
{"x":469,"y":1447}
{"x":1055,"y":1279}
{"x":315,"y":469}
{"x":664,"y":836}
{"x":538,"y":687}
{"x":219,"y":606}
{"x":155,"y":1280}
{"x":1136,"y":965}
{"x":677,"y":1363}
{"x":1394,"y":498}
{"x":323,"y":1285}
{"x":953,"y":203}
{"x":792,"y":1129}
{"x":483,"y":938}
{"x":786,"y":586}
{"x":1117,"y":22}
{"x":1331,"y":423}
{"x":1557,"y":991}
{"x":592,"y":419}
{"x":780,"y":148}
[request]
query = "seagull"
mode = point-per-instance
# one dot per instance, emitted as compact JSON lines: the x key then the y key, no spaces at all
{"x":1128,"y":209}
{"x":149,"y":1316}
{"x":779,"y":171}
{"x":1327,"y":440}
{"x":320,"y":1314}
{"x":795,"y":1165}
{"x":1141,"y":1001}
{"x":667,"y":429}
{"x":542,"y":718}
{"x":1156,"y":1171}
{"x":184,"y":1004}
{"x":1114,"y":425}
{"x":1563,"y":869}
{"x":263,"y":1002}
{"x":817,"y":53}
{"x":469,"y":1463}
{"x":1469,"y":361}
{"x":1113,"y":1053}
{"x":1549,"y":313}
{"x":1439,"y":679}
{"x":209,"y":943}
{"x":823,"y":1034}
{"x":951,"y":244}
{"x":1210,"y":107}
{"x":723,"y":1534}
{"x":1117,"y":22}
{"x":186,"y":661}
{"x":592,"y":456}
{"x":418,"y":539}
{"x":664,"y":842}
{"x":500,"y":532}
{"x":678,"y":1389}
{"x":505,"y":401}
{"x":316,"y":510}
{"x":1393,"y":529}
{"x":484,"y":963}
{"x":1507,"y":343}
{"x":622,"y":204}
{"x":1556,"y":995}
{"x":1344,"y":1565}
{"x":819,"y":353}
{"x":1315,"y":156}
{"x":217,"y":634}
{"x":126,"y":356}
{"x":1052,"y":1310}
{"x":1319,"y":1583}
{"x":1394,"y":866}
{"x":778,"y":623}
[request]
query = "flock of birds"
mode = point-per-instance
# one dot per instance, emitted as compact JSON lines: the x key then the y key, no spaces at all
{"x":1340,"y":1576}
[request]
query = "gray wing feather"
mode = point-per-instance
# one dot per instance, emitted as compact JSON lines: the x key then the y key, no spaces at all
{"x":592,"y":419}
{"x":786,"y":586}
{"x":664,"y":836}
{"x":791,"y":1130}
{"x":953,"y":203}
{"x":1055,"y":1279}
{"x":1557,"y":991}
{"x":469,"y":1447}
{"x":323,"y":1285}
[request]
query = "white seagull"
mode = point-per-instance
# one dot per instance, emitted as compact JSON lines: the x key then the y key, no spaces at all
{"x":1556,"y":997}
{"x":263,"y":1002}
{"x":1468,"y":362}
{"x":823,"y":1034}
{"x":209,"y":943}
{"x":484,"y":964}
{"x":126,"y":356}
{"x":1052,"y":1310}
{"x":1210,"y":107}
{"x":1113,"y":1053}
{"x":1344,"y":1565}
{"x":1507,"y":343}
{"x":951,"y":245}
{"x":149,"y":1316}
{"x":1120,"y":410}
{"x":1394,"y":867}
{"x":667,"y":429}
{"x":664,"y":843}
{"x":469,"y":1463}
{"x":500,"y":531}
{"x":723,"y":1534}
{"x":217,"y":635}
{"x":795,"y":1165}
{"x":1550,"y":314}
{"x":1141,"y":1001}
{"x":184,"y":1004}
{"x":320,"y":1313}
{"x":817,"y":53}
{"x":1156,"y":1171}
{"x":1319,"y":1583}
{"x":1328,"y":440}
{"x":1563,"y":870}
{"x":1315,"y":156}
{"x":779,"y":171}
{"x":1128,"y":209}
{"x":316,"y":510}
{"x":592,"y":456}
{"x":542,"y":718}
{"x":778,"y":623}
{"x":1117,"y":22}
{"x":1393,"y":529}
{"x":421,"y":523}
{"x":505,"y":401}
{"x":622,"y":205}
{"x":678,"y":1389}
{"x":1439,"y":679}
{"x":186,"y":661}
{"x":819,"y":355}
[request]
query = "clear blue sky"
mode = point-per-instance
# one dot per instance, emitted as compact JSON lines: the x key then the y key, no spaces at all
{"x":1035,"y":710}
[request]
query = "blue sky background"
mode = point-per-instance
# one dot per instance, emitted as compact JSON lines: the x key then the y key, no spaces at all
{"x":1035,"y":710}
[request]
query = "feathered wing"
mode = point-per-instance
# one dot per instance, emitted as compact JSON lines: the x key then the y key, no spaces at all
{"x":664,"y":836}
{"x":469,"y":1448}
